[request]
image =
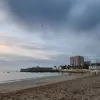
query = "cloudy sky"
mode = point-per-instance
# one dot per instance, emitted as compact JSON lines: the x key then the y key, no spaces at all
{"x":47,"y":32}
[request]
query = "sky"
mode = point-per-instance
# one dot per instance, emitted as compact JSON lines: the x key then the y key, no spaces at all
{"x":48,"y":32}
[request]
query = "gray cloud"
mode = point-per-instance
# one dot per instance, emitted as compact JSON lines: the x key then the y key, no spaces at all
{"x":46,"y":10}
{"x":85,"y":15}
{"x":76,"y":14}
{"x":10,"y":61}
{"x":61,"y":17}
{"x":68,"y":26}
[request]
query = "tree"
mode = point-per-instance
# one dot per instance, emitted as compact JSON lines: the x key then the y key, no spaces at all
{"x":55,"y":67}
{"x":63,"y":67}
{"x":68,"y":66}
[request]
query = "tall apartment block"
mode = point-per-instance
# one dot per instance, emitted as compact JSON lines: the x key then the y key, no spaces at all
{"x":76,"y":61}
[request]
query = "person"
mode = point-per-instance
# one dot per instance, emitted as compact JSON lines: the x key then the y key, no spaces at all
{"x":82,"y":72}
{"x":96,"y":72}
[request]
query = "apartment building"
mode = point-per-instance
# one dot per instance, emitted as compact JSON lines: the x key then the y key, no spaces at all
{"x":76,"y":61}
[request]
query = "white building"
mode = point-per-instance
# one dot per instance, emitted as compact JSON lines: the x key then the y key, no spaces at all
{"x":95,"y":66}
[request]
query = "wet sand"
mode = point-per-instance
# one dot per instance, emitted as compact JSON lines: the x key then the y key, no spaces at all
{"x":84,"y":88}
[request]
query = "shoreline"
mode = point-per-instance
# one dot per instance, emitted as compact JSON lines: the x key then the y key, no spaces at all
{"x":31,"y":83}
{"x":20,"y":76}
{"x":86,"y":87}
{"x":72,"y":89}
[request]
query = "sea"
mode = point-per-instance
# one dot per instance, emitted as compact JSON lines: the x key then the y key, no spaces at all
{"x":8,"y":77}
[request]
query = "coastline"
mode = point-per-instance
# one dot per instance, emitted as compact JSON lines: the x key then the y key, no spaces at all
{"x":80,"y":87}
{"x":24,"y":84}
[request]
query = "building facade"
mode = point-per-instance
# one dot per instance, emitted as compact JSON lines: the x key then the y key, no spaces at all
{"x":87,"y":63}
{"x":95,"y":65}
{"x":77,"y":61}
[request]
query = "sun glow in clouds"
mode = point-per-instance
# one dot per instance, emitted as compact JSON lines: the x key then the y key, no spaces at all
{"x":11,"y":36}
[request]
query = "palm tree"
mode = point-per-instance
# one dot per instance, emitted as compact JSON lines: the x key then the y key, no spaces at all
{"x":55,"y":67}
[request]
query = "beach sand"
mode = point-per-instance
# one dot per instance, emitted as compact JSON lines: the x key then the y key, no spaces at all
{"x":84,"y":88}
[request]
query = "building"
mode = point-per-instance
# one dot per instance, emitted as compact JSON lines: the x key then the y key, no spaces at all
{"x":76,"y":61}
{"x":95,"y":65}
{"x":87,"y":63}
{"x":72,"y":61}
{"x":39,"y":69}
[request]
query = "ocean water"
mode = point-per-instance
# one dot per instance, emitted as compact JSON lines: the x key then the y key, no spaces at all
{"x":7,"y":77}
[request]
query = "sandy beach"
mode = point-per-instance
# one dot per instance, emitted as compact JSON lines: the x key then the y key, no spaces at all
{"x":83,"y":88}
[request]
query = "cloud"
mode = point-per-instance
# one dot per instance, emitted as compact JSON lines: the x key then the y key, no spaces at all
{"x":14,"y":46}
{"x":80,"y":15}
{"x":48,"y":32}
{"x":48,"y":10}
{"x":53,"y":19}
